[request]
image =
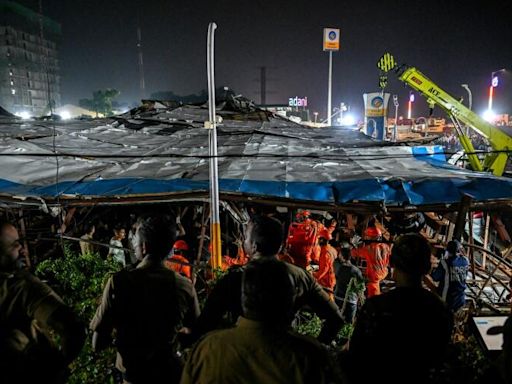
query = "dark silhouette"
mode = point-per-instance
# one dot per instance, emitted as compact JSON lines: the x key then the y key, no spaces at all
{"x":261,"y":348}
{"x":403,"y":333}
{"x":263,"y":240}
{"x":147,"y":306}
{"x":29,"y":311}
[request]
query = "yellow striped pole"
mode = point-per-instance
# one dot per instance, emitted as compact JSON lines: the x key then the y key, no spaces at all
{"x":216,"y":255}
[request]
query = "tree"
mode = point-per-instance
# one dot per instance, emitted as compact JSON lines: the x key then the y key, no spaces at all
{"x":101,"y":101}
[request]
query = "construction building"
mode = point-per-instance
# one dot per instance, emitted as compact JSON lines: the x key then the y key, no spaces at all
{"x":29,"y":67}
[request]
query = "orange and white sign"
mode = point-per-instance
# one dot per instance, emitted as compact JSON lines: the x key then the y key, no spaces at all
{"x":331,"y":39}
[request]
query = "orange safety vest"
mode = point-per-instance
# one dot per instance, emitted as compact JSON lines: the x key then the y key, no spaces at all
{"x":325,"y":274}
{"x":182,"y":269}
{"x":302,"y":241}
{"x":377,"y":260}
{"x":241,"y":259}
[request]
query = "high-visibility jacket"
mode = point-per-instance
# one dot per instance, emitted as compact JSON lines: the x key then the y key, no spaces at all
{"x":240,"y":259}
{"x":325,"y":274}
{"x":302,"y":240}
{"x":182,"y":269}
{"x":377,"y":262}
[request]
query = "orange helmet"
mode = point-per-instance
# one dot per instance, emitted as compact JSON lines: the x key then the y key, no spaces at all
{"x":372,"y":233}
{"x":324,"y":232}
{"x":181,"y":245}
{"x":304,"y":213}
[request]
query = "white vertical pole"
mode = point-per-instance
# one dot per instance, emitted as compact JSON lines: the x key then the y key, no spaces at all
{"x":212,"y":137}
{"x":329,"y":92}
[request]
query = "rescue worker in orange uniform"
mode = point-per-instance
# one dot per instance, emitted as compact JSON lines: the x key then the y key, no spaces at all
{"x":302,"y":241}
{"x":325,"y":274}
{"x":240,"y":259}
{"x":377,"y":259}
{"x":178,"y":261}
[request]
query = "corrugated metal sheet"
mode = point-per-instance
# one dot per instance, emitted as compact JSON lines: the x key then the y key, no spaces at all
{"x":165,"y":152}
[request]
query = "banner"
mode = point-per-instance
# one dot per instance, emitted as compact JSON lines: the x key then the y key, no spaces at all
{"x":375,"y":112}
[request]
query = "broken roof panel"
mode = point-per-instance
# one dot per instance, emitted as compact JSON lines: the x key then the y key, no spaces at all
{"x":264,"y":157}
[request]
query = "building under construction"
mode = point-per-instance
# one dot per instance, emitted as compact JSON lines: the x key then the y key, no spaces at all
{"x":29,"y":67}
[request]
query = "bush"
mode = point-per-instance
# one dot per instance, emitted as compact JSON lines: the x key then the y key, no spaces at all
{"x":79,"y":280}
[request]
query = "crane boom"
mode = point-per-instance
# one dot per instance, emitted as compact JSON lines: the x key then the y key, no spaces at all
{"x":500,"y":142}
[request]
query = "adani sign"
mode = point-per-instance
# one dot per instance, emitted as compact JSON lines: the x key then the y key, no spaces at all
{"x":297,"y":102}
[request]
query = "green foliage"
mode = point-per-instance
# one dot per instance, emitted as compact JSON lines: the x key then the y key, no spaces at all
{"x":101,"y":101}
{"x":79,"y":280}
{"x":207,"y":279}
{"x":307,"y":323}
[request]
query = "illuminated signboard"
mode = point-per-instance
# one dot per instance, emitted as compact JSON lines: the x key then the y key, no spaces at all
{"x":331,"y":39}
{"x":298,"y":102}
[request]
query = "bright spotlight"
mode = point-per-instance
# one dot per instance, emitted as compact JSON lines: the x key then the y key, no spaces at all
{"x":348,"y":119}
{"x":489,"y":116}
{"x":24,"y":115}
{"x":65,"y":115}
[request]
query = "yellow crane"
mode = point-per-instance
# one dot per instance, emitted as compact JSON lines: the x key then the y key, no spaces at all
{"x":500,"y":142}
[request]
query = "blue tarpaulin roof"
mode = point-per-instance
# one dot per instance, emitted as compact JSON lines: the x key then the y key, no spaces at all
{"x":165,"y":153}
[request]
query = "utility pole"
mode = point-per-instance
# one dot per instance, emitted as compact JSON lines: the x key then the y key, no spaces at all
{"x":263,"y":85}
{"x":215,"y":238}
{"x":331,"y":43}
{"x":142,"y":83}
{"x":395,"y":130}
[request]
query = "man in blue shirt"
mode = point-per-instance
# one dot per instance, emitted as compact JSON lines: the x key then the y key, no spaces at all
{"x":451,"y":275}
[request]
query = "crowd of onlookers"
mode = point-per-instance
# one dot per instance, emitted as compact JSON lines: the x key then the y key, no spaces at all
{"x":150,"y":313}
{"x":451,"y":142}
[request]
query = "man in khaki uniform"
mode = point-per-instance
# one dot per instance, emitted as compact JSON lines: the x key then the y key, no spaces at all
{"x":261,"y":348}
{"x":29,"y":311}
{"x":147,"y":306}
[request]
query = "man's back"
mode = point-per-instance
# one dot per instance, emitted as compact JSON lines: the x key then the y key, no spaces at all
{"x":345,"y":271}
{"x":225,"y":298}
{"x":451,"y":274}
{"x":253,"y":353}
{"x":408,"y":328}
{"x":146,"y":306}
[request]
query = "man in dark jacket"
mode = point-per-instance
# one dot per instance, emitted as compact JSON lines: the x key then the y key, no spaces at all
{"x":409,"y":323}
{"x":147,"y":306}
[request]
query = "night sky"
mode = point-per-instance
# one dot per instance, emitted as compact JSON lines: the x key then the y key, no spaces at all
{"x":452,"y":42}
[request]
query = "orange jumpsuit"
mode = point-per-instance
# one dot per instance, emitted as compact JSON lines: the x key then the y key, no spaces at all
{"x":325,"y":274}
{"x":377,"y":261}
{"x":182,"y":269}
{"x":241,"y":259}
{"x":302,"y":241}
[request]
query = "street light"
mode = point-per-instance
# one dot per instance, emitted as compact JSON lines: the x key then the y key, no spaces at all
{"x":494,"y":84}
{"x":411,"y":100}
{"x":395,"y":102}
{"x":470,"y":95}
{"x":470,"y":101}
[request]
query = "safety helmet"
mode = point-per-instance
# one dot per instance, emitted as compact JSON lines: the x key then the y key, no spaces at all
{"x":372,"y":233}
{"x":304,"y":213}
{"x":181,"y":245}
{"x":324,"y":232}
